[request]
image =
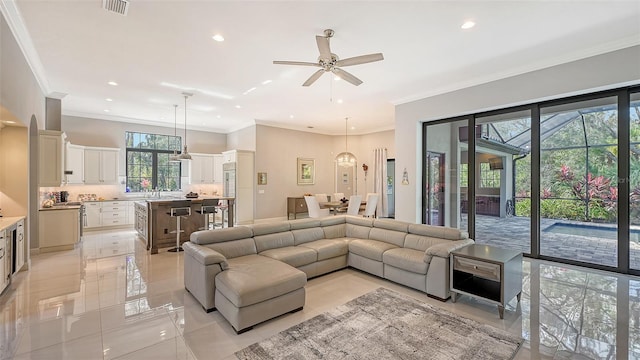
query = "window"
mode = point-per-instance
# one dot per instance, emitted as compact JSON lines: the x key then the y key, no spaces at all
{"x":489,"y":178}
{"x":148,"y":165}
{"x":464,"y":175}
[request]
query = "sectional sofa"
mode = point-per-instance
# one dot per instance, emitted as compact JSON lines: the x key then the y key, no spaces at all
{"x":254,"y":273}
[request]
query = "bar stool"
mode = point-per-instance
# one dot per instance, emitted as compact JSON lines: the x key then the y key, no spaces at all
{"x":208,"y":206}
{"x":178,"y":210}
{"x":223,"y":207}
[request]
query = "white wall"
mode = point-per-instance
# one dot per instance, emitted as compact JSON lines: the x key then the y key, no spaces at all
{"x":600,"y":72}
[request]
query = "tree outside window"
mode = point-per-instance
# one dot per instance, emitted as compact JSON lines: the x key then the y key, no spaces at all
{"x":148,"y":165}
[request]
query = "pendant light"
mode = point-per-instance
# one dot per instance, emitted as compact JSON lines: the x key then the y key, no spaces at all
{"x":346,"y":158}
{"x":185,"y":154}
{"x":174,"y":157}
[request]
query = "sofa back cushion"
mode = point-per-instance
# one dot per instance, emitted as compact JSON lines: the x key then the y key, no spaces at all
{"x":235,"y":248}
{"x":421,"y":243}
{"x":391,"y":225}
{"x":302,"y":236}
{"x":358,"y":227}
{"x":273,"y":241}
{"x":221,"y":235}
{"x":335,"y":231}
{"x":270,"y":228}
{"x":438,"y":232}
{"x":389,"y":236}
{"x":304,"y":223}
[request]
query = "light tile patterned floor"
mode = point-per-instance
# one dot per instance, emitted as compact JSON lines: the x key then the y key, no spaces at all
{"x":110,"y":299}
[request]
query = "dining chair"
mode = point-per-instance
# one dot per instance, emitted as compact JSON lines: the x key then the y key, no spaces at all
{"x":354,"y":204}
{"x":314,"y":208}
{"x":321,"y":198}
{"x":372,"y":203}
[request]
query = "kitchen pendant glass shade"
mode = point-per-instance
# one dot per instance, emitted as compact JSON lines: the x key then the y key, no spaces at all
{"x":174,"y":157}
{"x":345,"y":157}
{"x":185,"y":154}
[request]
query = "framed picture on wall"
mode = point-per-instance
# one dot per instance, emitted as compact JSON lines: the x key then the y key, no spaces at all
{"x":306,"y":171}
{"x":262,"y":178}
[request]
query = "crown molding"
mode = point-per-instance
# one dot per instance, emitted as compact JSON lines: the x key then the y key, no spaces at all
{"x":12,"y":15}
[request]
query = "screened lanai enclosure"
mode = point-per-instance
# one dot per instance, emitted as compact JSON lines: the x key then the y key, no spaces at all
{"x":545,"y":179}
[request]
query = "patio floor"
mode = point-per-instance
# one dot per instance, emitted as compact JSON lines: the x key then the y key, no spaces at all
{"x":514,"y":233}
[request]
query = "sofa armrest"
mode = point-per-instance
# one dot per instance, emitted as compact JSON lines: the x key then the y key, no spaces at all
{"x":444,"y":249}
{"x":205,"y":255}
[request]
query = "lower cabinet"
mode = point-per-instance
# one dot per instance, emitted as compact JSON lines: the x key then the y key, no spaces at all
{"x":92,"y":210}
{"x":58,"y":229}
{"x":4,"y":277}
{"x":20,"y":246}
{"x":109,"y":213}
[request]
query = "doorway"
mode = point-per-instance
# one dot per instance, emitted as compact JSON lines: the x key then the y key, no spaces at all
{"x":435,"y":188}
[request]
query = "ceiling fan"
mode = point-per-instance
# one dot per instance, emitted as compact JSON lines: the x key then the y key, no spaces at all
{"x":329,"y":61}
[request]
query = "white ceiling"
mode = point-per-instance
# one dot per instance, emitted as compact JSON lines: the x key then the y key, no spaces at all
{"x":162,"y":48}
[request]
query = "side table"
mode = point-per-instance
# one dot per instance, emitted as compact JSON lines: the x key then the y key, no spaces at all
{"x":486,"y":272}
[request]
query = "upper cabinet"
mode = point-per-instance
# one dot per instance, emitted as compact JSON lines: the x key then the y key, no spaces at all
{"x":51,"y":160}
{"x":101,"y":166}
{"x":74,"y":169}
{"x":206,"y":169}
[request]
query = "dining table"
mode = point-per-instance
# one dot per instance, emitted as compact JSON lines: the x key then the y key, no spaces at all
{"x":334,"y":205}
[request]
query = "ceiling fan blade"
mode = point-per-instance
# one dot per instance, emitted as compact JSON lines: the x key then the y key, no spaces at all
{"x":316,"y":75}
{"x":363,"y":59}
{"x":347,"y":77}
{"x":323,"y":47}
{"x":296,"y":63}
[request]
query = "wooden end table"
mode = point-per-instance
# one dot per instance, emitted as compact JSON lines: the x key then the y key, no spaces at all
{"x":486,"y":272}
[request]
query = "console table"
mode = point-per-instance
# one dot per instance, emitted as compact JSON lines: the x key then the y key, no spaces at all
{"x":486,"y":272}
{"x":295,"y":206}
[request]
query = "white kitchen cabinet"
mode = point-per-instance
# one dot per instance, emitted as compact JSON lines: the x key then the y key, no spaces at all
{"x":58,"y":229}
{"x":114,"y":213}
{"x":50,"y":158}
{"x":202,"y":169}
{"x":218,"y":159}
{"x":92,"y":215}
{"x":101,"y":166}
{"x":229,"y":156}
{"x":245,"y":184}
{"x":74,"y":169}
{"x":20,"y":245}
{"x":4,"y":279}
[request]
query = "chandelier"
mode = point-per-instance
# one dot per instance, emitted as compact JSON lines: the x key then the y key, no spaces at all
{"x":346,"y":158}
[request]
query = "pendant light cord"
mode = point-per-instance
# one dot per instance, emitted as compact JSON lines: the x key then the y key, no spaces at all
{"x":185,"y":119}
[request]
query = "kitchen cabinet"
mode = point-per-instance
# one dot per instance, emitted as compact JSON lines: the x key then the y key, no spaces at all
{"x":58,"y":229}
{"x":229,"y":156}
{"x":20,"y":246}
{"x":114,"y":213}
{"x":201,"y":169}
{"x":92,"y":215}
{"x":74,"y":164}
{"x":101,"y":166}
{"x":4,"y":257}
{"x":217,"y":168}
{"x":50,"y":158}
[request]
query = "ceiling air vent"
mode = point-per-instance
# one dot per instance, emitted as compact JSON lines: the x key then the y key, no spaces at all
{"x":117,"y":6}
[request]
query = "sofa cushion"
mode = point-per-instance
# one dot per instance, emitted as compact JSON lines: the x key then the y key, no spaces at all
{"x":406,"y":259}
{"x":304,"y":223}
{"x":371,"y":249}
{"x":302,"y":236}
{"x":273,"y":241}
{"x":389,"y":236}
{"x":329,"y":248}
{"x":391,"y":225}
{"x":221,"y":235}
{"x":421,"y":243}
{"x":235,"y":248}
{"x":270,"y":228}
{"x":249,"y":283}
{"x":438,"y":231}
{"x":293,"y":255}
{"x":335,"y":231}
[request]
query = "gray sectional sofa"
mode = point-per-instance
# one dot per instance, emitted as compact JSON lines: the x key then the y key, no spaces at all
{"x":254,"y":273}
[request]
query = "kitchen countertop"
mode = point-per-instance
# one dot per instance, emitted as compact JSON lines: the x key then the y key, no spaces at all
{"x":5,"y":222}
{"x":167,"y":201}
{"x":61,"y":207}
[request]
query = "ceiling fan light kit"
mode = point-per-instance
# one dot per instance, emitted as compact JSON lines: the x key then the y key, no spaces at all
{"x":330,"y":62}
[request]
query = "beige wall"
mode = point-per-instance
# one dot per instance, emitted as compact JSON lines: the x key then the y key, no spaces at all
{"x":243,"y":139}
{"x":277,"y":151}
{"x":14,"y":161}
{"x":591,"y":74}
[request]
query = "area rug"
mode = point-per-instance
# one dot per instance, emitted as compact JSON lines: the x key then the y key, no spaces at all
{"x":384,"y":324}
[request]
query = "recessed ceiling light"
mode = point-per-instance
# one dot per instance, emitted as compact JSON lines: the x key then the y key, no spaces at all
{"x":238,"y":107}
{"x":112,"y":83}
{"x":108,"y":99}
{"x":353,"y":128}
{"x":468,"y":24}
{"x":337,"y":78}
{"x":219,"y":117}
{"x":340,"y":101}
{"x":266,"y":82}
{"x":218,"y":37}
{"x":106,"y":110}
{"x":290,"y":116}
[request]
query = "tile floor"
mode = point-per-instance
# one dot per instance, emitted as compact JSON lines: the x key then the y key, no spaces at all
{"x":110,"y":299}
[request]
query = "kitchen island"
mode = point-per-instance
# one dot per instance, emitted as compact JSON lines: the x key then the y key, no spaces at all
{"x":157,"y":228}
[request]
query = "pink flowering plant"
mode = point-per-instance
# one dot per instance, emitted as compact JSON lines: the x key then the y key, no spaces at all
{"x":145,"y":183}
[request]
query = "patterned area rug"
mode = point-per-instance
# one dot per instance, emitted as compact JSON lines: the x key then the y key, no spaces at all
{"x":386,"y":325}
